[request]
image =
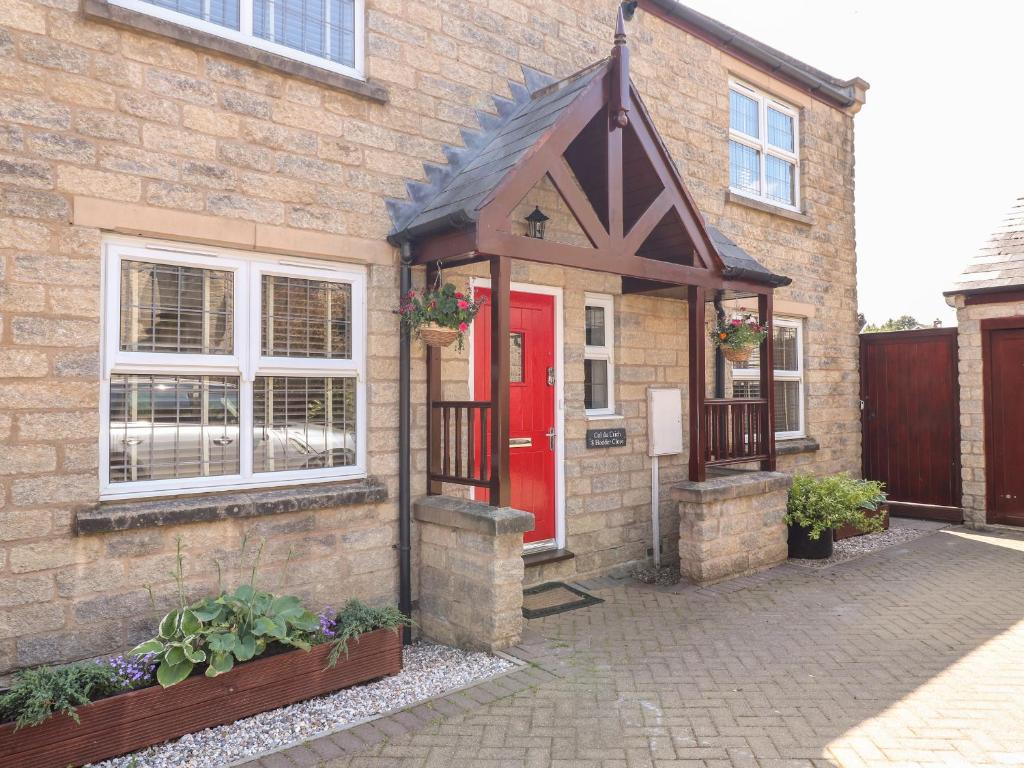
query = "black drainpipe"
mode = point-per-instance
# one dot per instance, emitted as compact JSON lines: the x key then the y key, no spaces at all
{"x":404,"y":477}
{"x":719,"y":356}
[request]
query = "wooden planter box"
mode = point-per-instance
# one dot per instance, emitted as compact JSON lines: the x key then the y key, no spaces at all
{"x":138,"y":719}
{"x":848,"y":531}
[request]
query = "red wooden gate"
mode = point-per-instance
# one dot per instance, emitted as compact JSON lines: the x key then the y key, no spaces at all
{"x":910,"y":418}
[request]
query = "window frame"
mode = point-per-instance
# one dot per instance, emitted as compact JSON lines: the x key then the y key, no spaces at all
{"x":753,"y":374}
{"x":246,"y":362}
{"x":245,"y":22}
{"x":605,"y":352}
{"x":763,"y":147}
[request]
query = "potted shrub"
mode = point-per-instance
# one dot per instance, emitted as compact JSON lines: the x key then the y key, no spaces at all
{"x":214,"y":661}
{"x":738,"y":337}
{"x":819,"y":505}
{"x":440,"y":315}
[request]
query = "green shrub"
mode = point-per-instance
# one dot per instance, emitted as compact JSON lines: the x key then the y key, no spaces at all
{"x":44,"y":691}
{"x":824,"y":503}
{"x":357,"y":618}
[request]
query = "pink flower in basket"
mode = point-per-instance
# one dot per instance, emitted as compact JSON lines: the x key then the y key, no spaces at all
{"x":463,"y":327}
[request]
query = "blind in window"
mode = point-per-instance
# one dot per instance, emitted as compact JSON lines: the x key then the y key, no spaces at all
{"x":224,"y":13}
{"x":172,"y":427}
{"x":303,"y":423}
{"x":306,"y":318}
{"x":178,"y":309}
{"x":323,"y":28}
{"x":787,"y":401}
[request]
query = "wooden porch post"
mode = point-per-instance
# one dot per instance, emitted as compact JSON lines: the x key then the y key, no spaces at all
{"x":764,"y":311}
{"x":501,"y":286}
{"x":695,"y":301}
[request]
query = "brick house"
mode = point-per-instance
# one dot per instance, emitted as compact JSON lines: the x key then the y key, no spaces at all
{"x":989,"y":301}
{"x":178,"y":175}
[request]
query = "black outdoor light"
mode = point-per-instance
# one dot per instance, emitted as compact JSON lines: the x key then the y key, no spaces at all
{"x":535,"y":223}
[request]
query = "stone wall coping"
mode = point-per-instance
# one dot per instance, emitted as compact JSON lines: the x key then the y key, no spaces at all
{"x":469,"y":515}
{"x":731,"y":485}
{"x":102,"y":10}
{"x":109,"y":516}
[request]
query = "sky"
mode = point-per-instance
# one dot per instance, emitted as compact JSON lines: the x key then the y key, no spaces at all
{"x":938,"y":153}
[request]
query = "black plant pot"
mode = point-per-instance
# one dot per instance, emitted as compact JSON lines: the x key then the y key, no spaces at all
{"x":803,"y":546}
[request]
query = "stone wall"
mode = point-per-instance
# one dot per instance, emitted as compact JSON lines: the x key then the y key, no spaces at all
{"x":105,"y":128}
{"x":972,"y":402}
{"x":732,"y":524}
{"x":470,"y":572}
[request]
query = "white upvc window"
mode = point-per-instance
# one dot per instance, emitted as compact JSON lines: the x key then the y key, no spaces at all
{"x":788,"y":358}
{"x":326,"y":33}
{"x":225,"y":370}
{"x":598,"y":355}
{"x":764,"y":147}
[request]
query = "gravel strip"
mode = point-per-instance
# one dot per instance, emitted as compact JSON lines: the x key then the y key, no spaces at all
{"x":665,"y":576}
{"x":428,"y":670}
{"x":858,"y":546}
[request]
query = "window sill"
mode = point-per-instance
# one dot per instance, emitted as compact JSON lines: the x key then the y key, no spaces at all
{"x":604,"y":417}
{"x":775,"y":210}
{"x":794,"y":445}
{"x":109,"y":516}
{"x":101,"y":10}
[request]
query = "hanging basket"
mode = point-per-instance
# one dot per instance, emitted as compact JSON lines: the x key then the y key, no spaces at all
{"x":737,"y":354}
{"x":434,"y":335}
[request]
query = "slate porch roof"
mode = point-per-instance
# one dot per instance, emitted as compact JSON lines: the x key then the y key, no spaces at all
{"x":999,"y":265}
{"x":453,"y":193}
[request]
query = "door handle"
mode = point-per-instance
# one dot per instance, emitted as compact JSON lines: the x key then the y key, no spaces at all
{"x":520,"y":442}
{"x":551,"y":438}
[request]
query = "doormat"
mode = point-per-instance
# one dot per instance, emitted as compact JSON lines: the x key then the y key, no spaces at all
{"x":554,"y":597}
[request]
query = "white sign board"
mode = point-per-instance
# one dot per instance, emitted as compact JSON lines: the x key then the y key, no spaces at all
{"x":664,"y":421}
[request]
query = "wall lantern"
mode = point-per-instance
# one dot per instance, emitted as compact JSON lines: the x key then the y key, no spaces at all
{"x":535,"y":223}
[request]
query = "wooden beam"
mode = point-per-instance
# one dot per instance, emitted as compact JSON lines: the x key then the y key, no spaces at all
{"x":764,"y":311}
{"x":435,"y":392}
{"x":696,"y":349}
{"x":567,"y":186}
{"x":447,"y":247}
{"x":598,"y":260}
{"x":615,"y":201}
{"x":647,"y":222}
{"x":501,"y":288}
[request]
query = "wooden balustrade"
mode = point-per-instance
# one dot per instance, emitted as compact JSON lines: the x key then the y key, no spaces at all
{"x":460,"y":449}
{"x":736,"y":430}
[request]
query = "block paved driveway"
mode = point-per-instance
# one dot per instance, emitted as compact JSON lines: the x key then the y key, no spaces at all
{"x":910,"y":656}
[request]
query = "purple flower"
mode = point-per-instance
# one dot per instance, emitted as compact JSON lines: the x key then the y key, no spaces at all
{"x":328,"y":622}
{"x":133,"y":671}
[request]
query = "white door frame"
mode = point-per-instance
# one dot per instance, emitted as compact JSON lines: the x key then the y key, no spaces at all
{"x":542,"y":290}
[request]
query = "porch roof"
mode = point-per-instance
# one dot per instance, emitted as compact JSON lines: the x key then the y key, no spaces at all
{"x":454,"y":194}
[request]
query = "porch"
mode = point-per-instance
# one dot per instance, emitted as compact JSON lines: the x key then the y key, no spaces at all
{"x":619,"y":208}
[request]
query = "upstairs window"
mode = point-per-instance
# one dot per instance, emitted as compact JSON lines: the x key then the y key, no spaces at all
{"x":225,"y":370}
{"x":327,"y":33}
{"x":598,"y":357}
{"x":788,"y":359}
{"x":764,"y":160}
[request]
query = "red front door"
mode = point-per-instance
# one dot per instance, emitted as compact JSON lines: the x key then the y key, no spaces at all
{"x":531,"y":402}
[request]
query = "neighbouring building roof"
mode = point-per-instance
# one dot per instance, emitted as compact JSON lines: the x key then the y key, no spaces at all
{"x":454,"y":193}
{"x":999,"y":265}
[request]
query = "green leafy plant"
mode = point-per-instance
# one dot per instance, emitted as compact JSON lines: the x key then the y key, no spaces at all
{"x":42,"y":692}
{"x":825,"y":503}
{"x":442,"y":305}
{"x":357,"y":618}
{"x":234,"y":626}
{"x":738,"y":333}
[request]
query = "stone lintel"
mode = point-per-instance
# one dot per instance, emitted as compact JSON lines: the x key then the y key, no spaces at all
{"x":730,"y":484}
{"x":106,"y":517}
{"x":469,"y":515}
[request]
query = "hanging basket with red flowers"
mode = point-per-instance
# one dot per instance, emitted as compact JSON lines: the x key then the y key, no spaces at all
{"x":738,"y":337}
{"x":440,"y":315}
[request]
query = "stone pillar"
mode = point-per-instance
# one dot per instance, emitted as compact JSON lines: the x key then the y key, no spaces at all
{"x":731,"y":524}
{"x":471,"y":572}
